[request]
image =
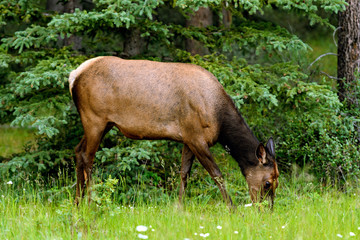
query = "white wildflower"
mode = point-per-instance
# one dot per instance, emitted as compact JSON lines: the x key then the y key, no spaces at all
{"x":283,"y":226}
{"x":352,"y":234}
{"x":141,"y":236}
{"x":248,"y":205}
{"x":195,"y":234}
{"x":153,"y":230}
{"x":339,"y":235}
{"x":201,"y":227}
{"x":219,"y":227}
{"x":9,"y":182}
{"x":141,"y":228}
{"x":236,"y":232}
{"x":204,"y":235}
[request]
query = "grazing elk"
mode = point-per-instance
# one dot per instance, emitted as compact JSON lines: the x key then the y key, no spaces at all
{"x":175,"y":101}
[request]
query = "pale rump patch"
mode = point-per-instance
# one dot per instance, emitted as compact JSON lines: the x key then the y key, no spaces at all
{"x":79,"y":70}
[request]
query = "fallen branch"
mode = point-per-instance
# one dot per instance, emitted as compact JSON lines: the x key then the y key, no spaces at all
{"x":329,"y":76}
{"x":334,"y":35}
{"x":321,"y":56}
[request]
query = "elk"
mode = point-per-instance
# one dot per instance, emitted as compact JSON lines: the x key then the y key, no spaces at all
{"x":174,"y":101}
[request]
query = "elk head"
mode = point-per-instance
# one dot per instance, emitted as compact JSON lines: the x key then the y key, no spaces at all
{"x":262,"y":178}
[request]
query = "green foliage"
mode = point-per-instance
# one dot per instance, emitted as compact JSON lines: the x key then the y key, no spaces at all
{"x":21,"y":10}
{"x":34,"y":36}
{"x":37,"y":162}
{"x":102,"y":192}
{"x":146,"y":165}
{"x":261,"y":65}
{"x":47,"y":111}
{"x":312,"y":8}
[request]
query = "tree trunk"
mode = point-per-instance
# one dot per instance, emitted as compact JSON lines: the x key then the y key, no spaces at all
{"x":349,"y":51}
{"x":227,"y":17}
{"x":202,"y":18}
{"x":69,"y":7}
{"x":134,"y":44}
{"x":53,"y":5}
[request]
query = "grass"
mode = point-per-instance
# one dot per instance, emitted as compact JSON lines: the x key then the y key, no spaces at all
{"x":302,"y":211}
{"x":12,"y":140}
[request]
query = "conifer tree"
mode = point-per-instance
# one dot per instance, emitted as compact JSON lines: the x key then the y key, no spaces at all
{"x":349,"y":52}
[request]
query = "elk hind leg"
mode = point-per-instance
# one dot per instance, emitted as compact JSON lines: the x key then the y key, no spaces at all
{"x":80,"y":182}
{"x":187,"y":160}
{"x":86,"y":153}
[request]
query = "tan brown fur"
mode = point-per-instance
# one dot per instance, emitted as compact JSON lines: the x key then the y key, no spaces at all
{"x":152,"y":100}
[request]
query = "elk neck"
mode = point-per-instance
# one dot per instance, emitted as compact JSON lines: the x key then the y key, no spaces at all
{"x":237,"y":138}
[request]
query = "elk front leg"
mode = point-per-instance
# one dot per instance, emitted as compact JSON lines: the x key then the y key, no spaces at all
{"x":203,"y":154}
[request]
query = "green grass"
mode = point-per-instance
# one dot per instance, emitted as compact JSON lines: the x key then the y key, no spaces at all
{"x":12,"y":140}
{"x":302,"y":211}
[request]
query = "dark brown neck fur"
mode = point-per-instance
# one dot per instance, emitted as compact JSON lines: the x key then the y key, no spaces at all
{"x":236,"y":136}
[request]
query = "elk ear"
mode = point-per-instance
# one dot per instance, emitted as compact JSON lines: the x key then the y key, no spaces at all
{"x":270,"y":146}
{"x":261,"y":154}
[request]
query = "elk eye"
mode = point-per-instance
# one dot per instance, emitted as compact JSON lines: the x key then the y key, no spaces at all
{"x":267,"y":185}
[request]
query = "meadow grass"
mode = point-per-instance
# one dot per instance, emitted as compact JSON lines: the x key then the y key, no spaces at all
{"x":302,"y":211}
{"x":12,"y":140}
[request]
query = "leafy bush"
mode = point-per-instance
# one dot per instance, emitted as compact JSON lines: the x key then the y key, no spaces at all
{"x":102,"y":192}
